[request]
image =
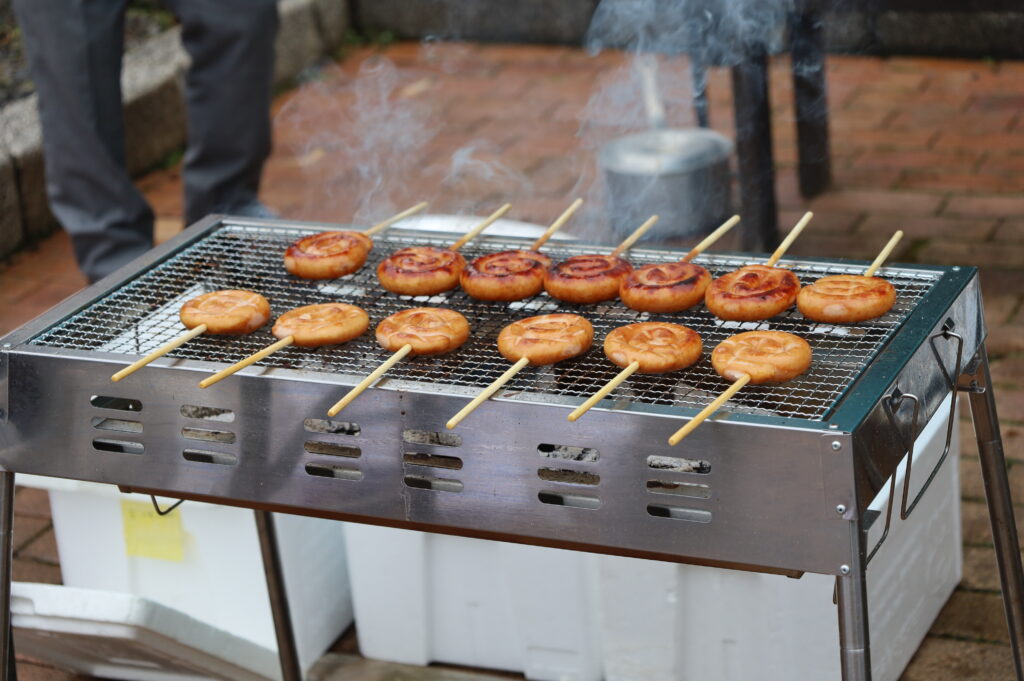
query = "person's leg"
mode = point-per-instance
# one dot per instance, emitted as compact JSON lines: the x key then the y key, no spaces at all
{"x":228,"y":91}
{"x":74,"y":52}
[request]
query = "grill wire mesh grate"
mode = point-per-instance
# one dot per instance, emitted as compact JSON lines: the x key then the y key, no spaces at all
{"x":143,"y":314}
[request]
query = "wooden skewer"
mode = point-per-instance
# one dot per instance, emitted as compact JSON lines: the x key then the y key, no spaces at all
{"x":380,"y":226}
{"x":708,"y":410}
{"x":368,"y":381}
{"x":487,"y":392}
{"x":557,"y":224}
{"x":608,"y":387}
{"x":711,"y":238}
{"x":159,"y":352}
{"x":635,"y":236}
{"x":251,"y":359}
{"x":870,"y":272}
{"x":471,"y":234}
{"x":790,"y":238}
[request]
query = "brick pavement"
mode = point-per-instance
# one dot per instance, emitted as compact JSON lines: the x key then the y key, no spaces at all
{"x":935,"y":147}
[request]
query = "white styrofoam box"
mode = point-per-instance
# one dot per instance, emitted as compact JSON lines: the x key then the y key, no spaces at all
{"x":220,"y":580}
{"x":423,"y":597}
{"x":420,"y":598}
{"x":120,"y":636}
{"x":675,"y":623}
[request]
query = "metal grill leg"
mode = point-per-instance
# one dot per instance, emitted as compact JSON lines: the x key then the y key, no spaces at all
{"x":287,"y":652}
{"x":8,"y":672}
{"x":754,"y":152}
{"x":854,"y":650}
{"x":1000,"y":508}
{"x":699,"y":75}
{"x":808,"y":48}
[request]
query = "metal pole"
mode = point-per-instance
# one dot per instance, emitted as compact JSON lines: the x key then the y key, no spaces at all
{"x":7,"y":666}
{"x":807,"y":45}
{"x":699,"y":77}
{"x":754,"y":151}
{"x":854,"y":653}
{"x":286,"y":650}
{"x":1000,"y":507}
{"x":852,"y":599}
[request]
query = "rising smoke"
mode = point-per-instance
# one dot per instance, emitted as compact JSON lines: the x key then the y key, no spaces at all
{"x":672,"y":43}
{"x":387,"y":128}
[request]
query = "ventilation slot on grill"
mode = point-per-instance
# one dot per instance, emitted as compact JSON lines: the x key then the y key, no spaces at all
{"x":427,"y":437}
{"x":433,"y":461}
{"x":118,"y":446}
{"x":681,"y":489}
{"x":119,"y":403}
{"x":116,"y":425}
{"x":432,"y":483}
{"x":573,"y":500}
{"x":192,"y":411}
{"x":326,"y":470}
{"x":331,"y":449}
{"x":568,"y":477}
{"x":331,"y":427}
{"x":569,"y":453}
{"x":205,"y":456}
{"x":693,"y":515}
{"x":206,"y":435}
{"x":678,"y":465}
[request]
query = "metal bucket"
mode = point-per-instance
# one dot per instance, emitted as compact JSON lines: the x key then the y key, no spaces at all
{"x":681,"y":175}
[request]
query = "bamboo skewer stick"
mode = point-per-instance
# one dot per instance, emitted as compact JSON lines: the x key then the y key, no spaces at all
{"x":711,"y":238}
{"x":369,"y":380}
{"x":471,"y":234}
{"x":870,"y":271}
{"x":486,"y":393}
{"x":635,"y":236}
{"x":708,"y":410}
{"x":251,"y":359}
{"x":381,"y":226}
{"x":159,"y":352}
{"x":608,"y":387}
{"x":790,"y":238}
{"x":557,"y":224}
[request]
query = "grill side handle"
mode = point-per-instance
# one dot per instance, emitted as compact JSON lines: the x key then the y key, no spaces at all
{"x":929,"y":375}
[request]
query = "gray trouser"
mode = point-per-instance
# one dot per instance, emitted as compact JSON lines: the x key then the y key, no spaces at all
{"x":75,"y":49}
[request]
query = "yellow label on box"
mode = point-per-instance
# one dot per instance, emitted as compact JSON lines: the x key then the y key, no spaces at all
{"x":151,"y":535}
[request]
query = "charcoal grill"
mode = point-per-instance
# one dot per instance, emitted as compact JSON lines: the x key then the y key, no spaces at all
{"x":779,"y":482}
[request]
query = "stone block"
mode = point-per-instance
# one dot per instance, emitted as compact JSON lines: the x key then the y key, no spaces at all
{"x":965,"y":34}
{"x":530,"y":21}
{"x":847,"y":31}
{"x":22,"y":135}
{"x":11,"y":229}
{"x":152,"y":82}
{"x":299,"y":43}
{"x":333,"y":20}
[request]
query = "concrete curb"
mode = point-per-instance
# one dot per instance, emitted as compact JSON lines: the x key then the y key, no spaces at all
{"x":155,"y":125}
{"x":523,"y":21}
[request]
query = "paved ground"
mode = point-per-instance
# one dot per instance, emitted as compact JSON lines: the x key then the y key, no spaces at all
{"x":933,"y":147}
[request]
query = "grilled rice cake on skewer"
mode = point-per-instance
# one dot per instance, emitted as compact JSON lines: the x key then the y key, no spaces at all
{"x":674,"y":286}
{"x":850,"y":298}
{"x":328,"y":255}
{"x":755,"y":292}
{"x":648,"y":348}
{"x":512,"y":275}
{"x":428,"y":270}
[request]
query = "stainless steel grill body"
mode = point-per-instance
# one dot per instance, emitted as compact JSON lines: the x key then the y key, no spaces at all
{"x":757,"y":487}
